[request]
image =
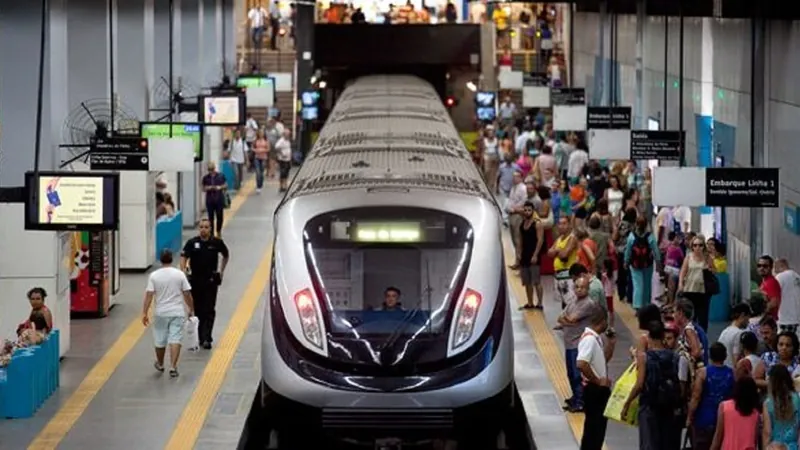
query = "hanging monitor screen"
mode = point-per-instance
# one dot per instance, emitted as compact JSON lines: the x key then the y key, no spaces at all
{"x":486,"y":105}
{"x":59,"y":201}
{"x":224,"y":110}
{"x":193,"y":131}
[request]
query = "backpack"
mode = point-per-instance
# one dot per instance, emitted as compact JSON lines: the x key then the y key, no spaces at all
{"x":641,"y":253}
{"x":661,"y":380}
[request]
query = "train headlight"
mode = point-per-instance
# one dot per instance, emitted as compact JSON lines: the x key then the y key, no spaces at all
{"x":465,"y":317}
{"x":309,"y":320}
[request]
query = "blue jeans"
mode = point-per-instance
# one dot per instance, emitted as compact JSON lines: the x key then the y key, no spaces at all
{"x":261,"y":166}
{"x":257,"y":36}
{"x":574,"y":375}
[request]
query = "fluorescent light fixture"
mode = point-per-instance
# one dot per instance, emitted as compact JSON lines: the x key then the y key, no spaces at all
{"x":322,"y":84}
{"x":471,"y":86}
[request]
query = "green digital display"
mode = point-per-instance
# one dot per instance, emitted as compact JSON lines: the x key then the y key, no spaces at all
{"x":257,"y":81}
{"x":191,"y":131}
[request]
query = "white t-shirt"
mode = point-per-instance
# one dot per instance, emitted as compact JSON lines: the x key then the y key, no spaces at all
{"x":577,"y":159}
{"x":789,"y":311}
{"x":284,"y":148}
{"x":683,"y":216}
{"x":683,"y":369}
{"x":237,"y":151}
{"x":730,"y":339}
{"x":251,"y":127}
{"x":168,"y":285}
{"x":257,"y":16}
{"x":521,"y":144}
{"x":490,"y":146}
{"x":591,"y":351}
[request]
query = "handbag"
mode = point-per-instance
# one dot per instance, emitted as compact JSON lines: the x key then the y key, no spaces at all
{"x":711,"y":282}
{"x":620,"y":393}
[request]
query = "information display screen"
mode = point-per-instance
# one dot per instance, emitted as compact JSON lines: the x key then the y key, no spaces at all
{"x":60,"y":201}
{"x":193,"y":131}
{"x":227,"y":110}
{"x":486,"y":105}
{"x":380,"y":232}
{"x":310,"y":105}
{"x":246,"y":81}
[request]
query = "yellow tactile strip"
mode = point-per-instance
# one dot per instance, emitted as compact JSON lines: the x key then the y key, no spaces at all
{"x":187,"y":430}
{"x":550,"y":352}
{"x":69,"y":413}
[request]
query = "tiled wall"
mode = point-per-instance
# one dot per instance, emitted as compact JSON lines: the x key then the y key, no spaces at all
{"x":784,"y":127}
{"x":587,"y":60}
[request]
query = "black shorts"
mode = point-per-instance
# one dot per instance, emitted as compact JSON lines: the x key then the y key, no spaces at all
{"x":284,"y":168}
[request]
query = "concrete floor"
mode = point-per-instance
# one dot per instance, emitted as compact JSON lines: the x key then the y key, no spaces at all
{"x":138,"y":409}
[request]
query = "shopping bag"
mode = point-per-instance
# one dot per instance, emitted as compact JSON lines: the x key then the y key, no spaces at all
{"x":622,"y":388}
{"x":191,"y":339}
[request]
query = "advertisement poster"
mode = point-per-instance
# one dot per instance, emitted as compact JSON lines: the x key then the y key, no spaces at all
{"x":222,"y":110}
{"x":71,"y":200}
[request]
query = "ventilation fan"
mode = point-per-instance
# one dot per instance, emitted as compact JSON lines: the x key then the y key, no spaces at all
{"x":183,"y":97}
{"x":90,"y":120}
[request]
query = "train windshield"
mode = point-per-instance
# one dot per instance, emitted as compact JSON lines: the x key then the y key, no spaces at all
{"x":388,"y":276}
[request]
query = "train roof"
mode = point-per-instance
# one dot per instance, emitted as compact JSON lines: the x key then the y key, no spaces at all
{"x":389,"y":131}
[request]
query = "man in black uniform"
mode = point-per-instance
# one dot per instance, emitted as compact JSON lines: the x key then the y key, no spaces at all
{"x":200,"y":260}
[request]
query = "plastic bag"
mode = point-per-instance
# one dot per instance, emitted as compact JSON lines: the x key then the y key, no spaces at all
{"x":622,"y":388}
{"x":191,"y":338}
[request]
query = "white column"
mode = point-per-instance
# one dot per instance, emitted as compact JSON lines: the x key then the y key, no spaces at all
{"x":30,"y":259}
{"x":137,"y":196}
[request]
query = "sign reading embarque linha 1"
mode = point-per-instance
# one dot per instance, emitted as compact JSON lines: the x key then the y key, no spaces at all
{"x":742,"y":187}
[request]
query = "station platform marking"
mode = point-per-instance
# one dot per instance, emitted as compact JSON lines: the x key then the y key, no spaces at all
{"x":545,"y":341}
{"x":187,"y":430}
{"x":64,"y":420}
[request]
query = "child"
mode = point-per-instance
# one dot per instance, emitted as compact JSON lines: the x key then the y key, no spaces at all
{"x":671,"y":334}
{"x":608,"y":287}
{"x":731,"y":336}
{"x":757,"y":309}
{"x":579,"y":201}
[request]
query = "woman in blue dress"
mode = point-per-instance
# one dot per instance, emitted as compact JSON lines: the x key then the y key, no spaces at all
{"x":781,"y":410}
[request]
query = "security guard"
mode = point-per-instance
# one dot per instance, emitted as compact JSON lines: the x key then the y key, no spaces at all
{"x":200,"y":260}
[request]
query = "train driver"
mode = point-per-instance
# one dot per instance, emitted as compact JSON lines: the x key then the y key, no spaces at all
{"x":391,"y":300}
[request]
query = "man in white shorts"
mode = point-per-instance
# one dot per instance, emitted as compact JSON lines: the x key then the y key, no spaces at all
{"x":171,"y":292}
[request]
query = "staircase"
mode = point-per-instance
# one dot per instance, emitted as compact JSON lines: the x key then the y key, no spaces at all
{"x":270,"y":61}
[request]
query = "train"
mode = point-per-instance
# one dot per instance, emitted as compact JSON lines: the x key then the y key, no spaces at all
{"x":387,"y":321}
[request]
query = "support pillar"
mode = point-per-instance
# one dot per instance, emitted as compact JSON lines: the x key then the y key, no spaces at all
{"x":30,"y":259}
{"x":212,"y":52}
{"x":639,"y":111}
{"x":137,"y":195}
{"x":705,"y":121}
{"x":760,"y":237}
{"x":304,"y":43}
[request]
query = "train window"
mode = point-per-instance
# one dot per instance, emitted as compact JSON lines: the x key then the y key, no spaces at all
{"x":382,"y":270}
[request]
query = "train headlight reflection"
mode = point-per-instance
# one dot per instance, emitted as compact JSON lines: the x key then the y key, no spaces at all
{"x":465,"y":318}
{"x":309,"y":320}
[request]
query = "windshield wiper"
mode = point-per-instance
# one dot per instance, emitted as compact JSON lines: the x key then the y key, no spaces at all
{"x":390,"y":341}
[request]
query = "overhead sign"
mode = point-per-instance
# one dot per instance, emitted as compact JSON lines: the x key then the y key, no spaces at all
{"x":742,"y":187}
{"x":119,"y":154}
{"x":660,"y":145}
{"x":535,"y":79}
{"x":608,"y":118}
{"x":568,"y":96}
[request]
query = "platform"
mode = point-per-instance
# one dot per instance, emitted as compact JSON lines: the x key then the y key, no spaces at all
{"x":112,"y":398}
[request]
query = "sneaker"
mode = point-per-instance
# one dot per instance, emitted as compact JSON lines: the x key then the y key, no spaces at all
{"x":173,"y":373}
{"x":158,"y":367}
{"x":258,"y":191}
{"x":206,"y":345}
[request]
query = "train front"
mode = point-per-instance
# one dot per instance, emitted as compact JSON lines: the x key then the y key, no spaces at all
{"x":386,"y":319}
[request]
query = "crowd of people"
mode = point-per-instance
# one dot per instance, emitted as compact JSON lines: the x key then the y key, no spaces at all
{"x":594,"y":225}
{"x":265,"y":150}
